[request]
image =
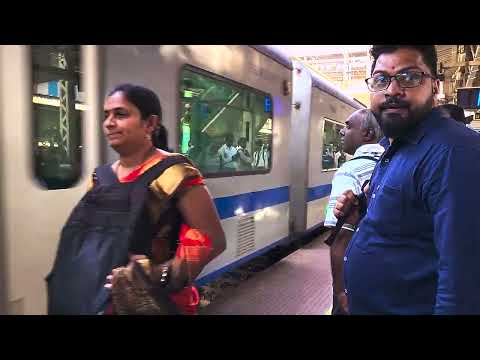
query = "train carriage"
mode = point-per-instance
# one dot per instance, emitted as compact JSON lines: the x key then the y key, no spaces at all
{"x":51,"y":111}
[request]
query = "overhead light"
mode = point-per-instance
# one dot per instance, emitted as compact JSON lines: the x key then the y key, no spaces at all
{"x":41,"y":100}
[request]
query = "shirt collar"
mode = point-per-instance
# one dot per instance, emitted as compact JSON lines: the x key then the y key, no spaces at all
{"x":384,"y":142}
{"x":374,"y":150}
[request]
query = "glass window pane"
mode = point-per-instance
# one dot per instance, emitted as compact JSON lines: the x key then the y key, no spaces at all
{"x":225,"y":127}
{"x":332,"y":156}
{"x":57,"y":107}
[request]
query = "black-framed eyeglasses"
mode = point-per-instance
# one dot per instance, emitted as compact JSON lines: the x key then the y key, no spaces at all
{"x":405,"y":79}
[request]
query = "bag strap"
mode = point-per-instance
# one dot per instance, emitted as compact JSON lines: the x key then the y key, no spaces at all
{"x":140,"y":188}
{"x":104,"y":175}
{"x":362,"y":199}
{"x":138,"y":194}
{"x":365,"y":157}
{"x":155,"y":171}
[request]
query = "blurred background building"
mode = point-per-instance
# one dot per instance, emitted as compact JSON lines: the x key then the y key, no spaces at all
{"x":347,"y":66}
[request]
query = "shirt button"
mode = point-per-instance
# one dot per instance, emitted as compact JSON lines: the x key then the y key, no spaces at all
{"x":346,"y":291}
{"x":373,"y":196}
{"x":386,"y":161}
{"x":358,"y":229}
{"x":344,"y":258}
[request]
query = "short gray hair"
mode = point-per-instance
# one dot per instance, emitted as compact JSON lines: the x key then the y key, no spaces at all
{"x":369,"y":122}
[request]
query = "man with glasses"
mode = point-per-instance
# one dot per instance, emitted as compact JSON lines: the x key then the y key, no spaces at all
{"x":417,"y":249}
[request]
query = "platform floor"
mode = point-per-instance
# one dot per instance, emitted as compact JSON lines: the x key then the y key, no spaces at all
{"x":299,"y":284}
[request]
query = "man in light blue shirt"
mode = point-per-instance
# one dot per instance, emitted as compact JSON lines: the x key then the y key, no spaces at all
{"x":359,"y":138}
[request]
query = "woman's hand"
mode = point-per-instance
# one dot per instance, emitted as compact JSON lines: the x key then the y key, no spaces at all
{"x":115,"y":271}
{"x":178,"y":272}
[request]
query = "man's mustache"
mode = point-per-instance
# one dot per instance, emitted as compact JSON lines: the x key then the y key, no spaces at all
{"x":394,"y":103}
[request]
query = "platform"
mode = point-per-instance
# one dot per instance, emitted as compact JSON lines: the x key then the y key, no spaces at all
{"x":299,"y":284}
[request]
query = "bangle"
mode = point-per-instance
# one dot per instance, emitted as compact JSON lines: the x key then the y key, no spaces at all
{"x":164,"y":276}
{"x":348,"y":227}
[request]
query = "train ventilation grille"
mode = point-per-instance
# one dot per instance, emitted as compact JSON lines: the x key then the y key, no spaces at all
{"x":245,"y":235}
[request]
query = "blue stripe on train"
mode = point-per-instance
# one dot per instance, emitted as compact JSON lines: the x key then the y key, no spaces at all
{"x":226,"y":206}
{"x":217,"y":273}
{"x":252,"y":201}
{"x":318,"y":192}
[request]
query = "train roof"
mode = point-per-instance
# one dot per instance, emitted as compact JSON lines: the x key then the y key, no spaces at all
{"x":282,"y":58}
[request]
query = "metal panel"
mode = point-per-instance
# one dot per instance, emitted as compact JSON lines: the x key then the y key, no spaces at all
{"x":299,"y":146}
{"x":32,"y":227}
{"x":245,"y":235}
{"x":3,"y":240}
{"x":317,"y":81}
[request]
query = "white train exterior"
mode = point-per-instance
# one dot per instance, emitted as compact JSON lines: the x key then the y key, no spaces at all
{"x":259,"y":208}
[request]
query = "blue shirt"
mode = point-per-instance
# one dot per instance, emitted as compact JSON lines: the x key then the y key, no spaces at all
{"x":417,"y":250}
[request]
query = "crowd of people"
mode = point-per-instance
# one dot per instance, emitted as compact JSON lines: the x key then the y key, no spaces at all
{"x":238,"y":158}
{"x":405,"y":233}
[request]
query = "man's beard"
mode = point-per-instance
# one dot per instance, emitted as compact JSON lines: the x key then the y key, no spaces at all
{"x":395,"y":125}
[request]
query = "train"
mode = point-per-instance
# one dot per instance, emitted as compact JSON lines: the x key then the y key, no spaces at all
{"x":51,"y":111}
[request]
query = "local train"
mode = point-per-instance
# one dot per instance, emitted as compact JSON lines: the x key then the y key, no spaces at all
{"x":51,"y":111}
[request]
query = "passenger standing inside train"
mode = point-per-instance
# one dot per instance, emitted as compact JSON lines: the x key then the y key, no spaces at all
{"x":243,"y":156}
{"x":177,"y":204}
{"x":416,"y":250}
{"x":360,"y":138}
{"x":261,"y":156}
{"x":227,"y":154}
{"x":340,"y":157}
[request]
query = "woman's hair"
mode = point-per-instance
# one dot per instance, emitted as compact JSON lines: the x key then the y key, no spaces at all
{"x":160,"y":138}
{"x":144,"y":99}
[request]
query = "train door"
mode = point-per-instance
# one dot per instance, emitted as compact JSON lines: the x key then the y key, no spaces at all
{"x":49,"y":134}
{"x":299,"y":147}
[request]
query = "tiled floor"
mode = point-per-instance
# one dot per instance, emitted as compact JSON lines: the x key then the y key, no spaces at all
{"x":299,"y":284}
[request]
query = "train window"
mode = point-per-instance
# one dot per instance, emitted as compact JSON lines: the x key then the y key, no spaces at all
{"x":57,"y":115}
{"x":332,"y":155}
{"x":225,"y":127}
